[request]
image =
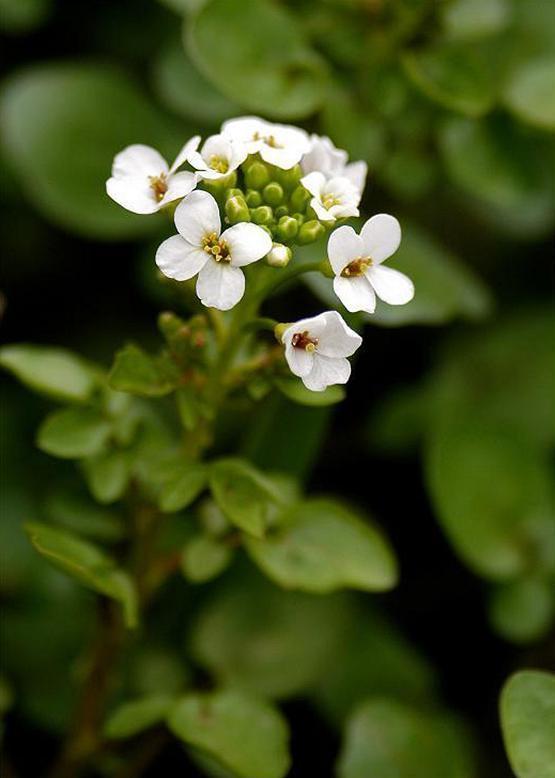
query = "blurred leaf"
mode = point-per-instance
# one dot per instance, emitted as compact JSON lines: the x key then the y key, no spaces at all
{"x":453,"y":76}
{"x":522,"y":611}
{"x":296,"y":391}
{"x":137,"y":715}
{"x":247,"y":497}
{"x":205,"y":558}
{"x":245,"y":734}
{"x":390,"y":740}
{"x":72,"y":433}
{"x":73,"y":100}
{"x":155,"y":670}
{"x":87,"y":563}
{"x":107,"y":475}
{"x":409,"y":173}
{"x":400,"y":420}
{"x":320,"y":546}
{"x":527,"y":708}
{"x":79,"y":514}
{"x":471,"y":20}
{"x":51,"y":371}
{"x":258,"y":58}
{"x":136,"y":372}
{"x":183,"y":487}
{"x":22,"y":16}
{"x":530,"y":93}
{"x":350,"y":127}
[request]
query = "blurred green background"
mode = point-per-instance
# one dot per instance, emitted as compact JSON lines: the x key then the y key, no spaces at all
{"x":448,"y":431}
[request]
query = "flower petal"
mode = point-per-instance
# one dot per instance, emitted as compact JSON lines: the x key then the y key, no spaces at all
{"x":196,"y":216}
{"x":381,"y":236}
{"x":284,"y":158}
{"x":314,"y":183}
{"x":315,"y":326}
{"x":179,"y":185}
{"x":138,"y":160}
{"x":183,"y":156}
{"x":220,"y":286}
{"x":299,"y":360}
{"x":337,"y":340}
{"x":247,"y":243}
{"x":180,"y":260}
{"x":344,"y":245}
{"x":390,"y":285}
{"x":356,"y":173}
{"x":355,"y":293}
{"x":327,"y":372}
{"x":134,"y":194}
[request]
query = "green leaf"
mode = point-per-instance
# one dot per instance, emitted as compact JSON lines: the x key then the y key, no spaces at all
{"x":258,"y":58}
{"x":136,"y":372}
{"x":245,"y":734}
{"x":350,"y":127}
{"x":527,"y":708}
{"x":522,"y":611}
{"x":79,"y":514}
{"x":296,"y":391}
{"x":321,"y":546}
{"x":73,"y":433}
{"x":51,"y":371}
{"x":452,"y":76}
{"x":204,"y":558}
{"x":183,"y":487}
{"x":23,"y":16}
{"x":530,"y":93}
{"x":107,"y":475}
{"x":390,"y":740}
{"x":248,"y":498}
{"x":62,"y":181}
{"x":135,"y":716}
{"x":471,"y":20}
{"x":86,"y":563}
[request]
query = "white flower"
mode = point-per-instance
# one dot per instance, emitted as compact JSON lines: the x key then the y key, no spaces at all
{"x":326,"y":158}
{"x":278,"y":144}
{"x":316,"y":350}
{"x":217,"y":258}
{"x":357,"y":263}
{"x":218,"y":157}
{"x":142,"y":182}
{"x":333,"y":198}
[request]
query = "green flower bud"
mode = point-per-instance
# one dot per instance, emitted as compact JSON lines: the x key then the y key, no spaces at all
{"x":310,"y":231}
{"x":262,"y":215}
{"x":253,"y":198}
{"x":257,"y":176}
{"x":273,"y":194}
{"x":237,"y":210}
{"x":219,"y":186}
{"x":289,"y":179}
{"x":281,"y":210}
{"x":299,"y":199}
{"x":287,"y":228}
{"x":233,"y":192}
{"x":169,"y":324}
{"x":280,"y":329}
{"x":299,"y":218}
{"x":279,"y":256}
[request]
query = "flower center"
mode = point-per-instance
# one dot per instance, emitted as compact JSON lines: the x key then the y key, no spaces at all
{"x":216,"y":247}
{"x":269,"y":140}
{"x":304,"y":341}
{"x":218,"y":163}
{"x":329,"y":200}
{"x":357,"y":267}
{"x":159,"y":185}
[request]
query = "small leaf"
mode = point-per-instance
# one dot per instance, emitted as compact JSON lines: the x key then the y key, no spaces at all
{"x":471,"y":20}
{"x":136,"y":372}
{"x":107,"y":475}
{"x":296,"y":391}
{"x":246,"y":496}
{"x":530,"y":93}
{"x":527,"y":708}
{"x":245,"y":734}
{"x":321,"y":546}
{"x":137,"y":715}
{"x":204,"y":558}
{"x":73,"y":433}
{"x":522,"y":611}
{"x":51,"y":371}
{"x":77,"y":513}
{"x":183,"y":487}
{"x":86,"y":563}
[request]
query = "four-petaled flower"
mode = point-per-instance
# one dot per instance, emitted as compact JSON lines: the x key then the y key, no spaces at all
{"x":218,"y":157}
{"x":316,"y":350}
{"x":217,"y":258}
{"x":326,"y":158}
{"x":142,"y":181}
{"x":278,"y":144}
{"x":357,"y":263}
{"x":332,"y":198}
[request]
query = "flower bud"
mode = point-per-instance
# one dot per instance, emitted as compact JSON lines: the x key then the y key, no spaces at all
{"x":273,"y":194}
{"x":233,"y":192}
{"x":299,"y":218}
{"x":310,"y":231}
{"x":281,"y":210}
{"x":219,"y":186}
{"x":262,"y":215}
{"x":253,"y":198}
{"x":257,"y":176}
{"x":169,"y":324}
{"x":299,"y":199}
{"x":287,"y":228}
{"x":289,"y":179}
{"x":237,"y":210}
{"x":280,"y":329}
{"x":279,"y":256}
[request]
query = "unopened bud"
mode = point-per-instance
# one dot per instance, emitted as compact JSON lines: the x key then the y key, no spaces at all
{"x":257,"y":176}
{"x":287,"y":228}
{"x":273,"y":194}
{"x":279,"y":256}
{"x":219,"y":186}
{"x":169,"y":325}
{"x":281,"y":210}
{"x":237,"y":210}
{"x":262,"y":215}
{"x":234,"y":192}
{"x":310,"y":231}
{"x":289,"y":179}
{"x":279,"y":330}
{"x":253,"y":198}
{"x":299,"y":218}
{"x":299,"y":199}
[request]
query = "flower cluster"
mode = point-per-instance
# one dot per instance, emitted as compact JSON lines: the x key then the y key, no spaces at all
{"x":273,"y":186}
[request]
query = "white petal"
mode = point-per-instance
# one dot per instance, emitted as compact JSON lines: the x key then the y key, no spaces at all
{"x":216,"y":146}
{"x":314,"y":183}
{"x":337,"y":340}
{"x":300,"y":360}
{"x":179,"y":260}
{"x":196,"y":160}
{"x":247,"y":243}
{"x":323,"y":214}
{"x":343,"y":211}
{"x":381,"y":236}
{"x":244,"y":129}
{"x":323,"y":156}
{"x":390,"y":285}
{"x":183,"y":156}
{"x":179,"y":185}
{"x":139,"y":160}
{"x":220,"y":286}
{"x":327,"y":372}
{"x":315,"y":326}
{"x":284,"y":158}
{"x":344,"y":245}
{"x":196,"y":216}
{"x":356,"y":173}
{"x":134,"y":194}
{"x":355,"y":293}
